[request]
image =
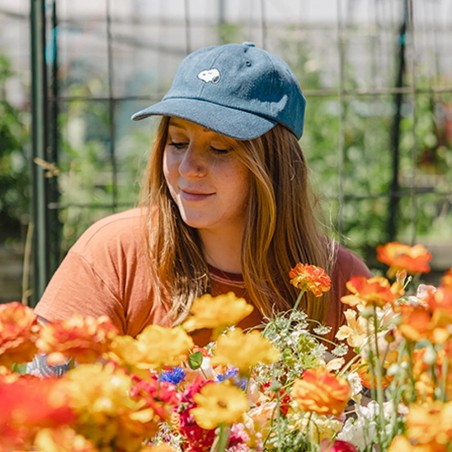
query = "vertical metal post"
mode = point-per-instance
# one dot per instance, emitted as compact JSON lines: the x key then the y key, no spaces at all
{"x":40,"y":253}
{"x":394,"y":196}
{"x":221,"y":20}
{"x":111,"y":105}
{"x":54,"y":225}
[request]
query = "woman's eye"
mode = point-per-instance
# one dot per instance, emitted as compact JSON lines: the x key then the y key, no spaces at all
{"x":177,"y":145}
{"x":220,"y":150}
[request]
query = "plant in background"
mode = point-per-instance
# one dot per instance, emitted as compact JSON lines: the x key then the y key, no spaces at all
{"x":14,"y":180}
{"x":282,"y":387}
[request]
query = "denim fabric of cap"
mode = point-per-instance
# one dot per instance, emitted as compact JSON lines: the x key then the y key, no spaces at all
{"x":237,"y":90}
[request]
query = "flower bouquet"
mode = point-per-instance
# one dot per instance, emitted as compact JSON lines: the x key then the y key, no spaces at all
{"x":282,"y":387}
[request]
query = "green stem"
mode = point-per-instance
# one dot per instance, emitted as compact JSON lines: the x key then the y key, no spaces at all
{"x":222,"y":439}
{"x":445,"y":374}
{"x":409,"y":349}
{"x":379,"y":374}
{"x":292,"y":312}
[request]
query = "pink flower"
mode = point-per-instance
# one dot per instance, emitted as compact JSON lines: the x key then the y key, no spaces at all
{"x":337,"y":446}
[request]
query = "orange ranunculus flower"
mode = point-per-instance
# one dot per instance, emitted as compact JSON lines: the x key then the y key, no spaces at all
{"x":84,"y":339}
{"x":412,"y":259}
{"x":402,"y":443}
{"x":430,"y":423}
{"x":419,"y":322}
{"x":415,"y":322}
{"x":321,"y":392}
{"x":19,"y":330}
{"x":422,"y":372}
{"x":368,"y":378}
{"x":310,"y":278}
{"x":441,"y":299}
{"x":446,"y":280}
{"x":376,"y":291}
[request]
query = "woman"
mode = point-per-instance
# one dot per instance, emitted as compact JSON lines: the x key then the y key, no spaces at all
{"x":226,"y":206}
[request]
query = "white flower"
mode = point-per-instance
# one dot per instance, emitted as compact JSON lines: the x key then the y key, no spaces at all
{"x":322,"y":329}
{"x":335,"y":364}
{"x":354,"y":381}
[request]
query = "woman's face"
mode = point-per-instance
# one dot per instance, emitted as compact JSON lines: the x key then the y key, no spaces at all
{"x":207,"y":181}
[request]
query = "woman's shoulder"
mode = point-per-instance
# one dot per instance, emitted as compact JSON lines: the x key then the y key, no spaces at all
{"x":348,"y":264}
{"x":118,"y":225}
{"x":114,"y":233}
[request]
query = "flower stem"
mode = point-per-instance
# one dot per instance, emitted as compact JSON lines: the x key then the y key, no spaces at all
{"x":379,"y":374}
{"x":221,"y":440}
{"x":293,"y":311}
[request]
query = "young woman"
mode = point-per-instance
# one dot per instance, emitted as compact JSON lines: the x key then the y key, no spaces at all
{"x":226,"y":206}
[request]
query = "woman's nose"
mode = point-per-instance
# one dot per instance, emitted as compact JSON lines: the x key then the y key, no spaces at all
{"x":192,"y":164}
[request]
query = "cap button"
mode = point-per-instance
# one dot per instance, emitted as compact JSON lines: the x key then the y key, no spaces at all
{"x":249,"y":44}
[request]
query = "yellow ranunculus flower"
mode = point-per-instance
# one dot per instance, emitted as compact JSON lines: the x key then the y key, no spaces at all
{"x":51,"y":440}
{"x":217,"y":312}
{"x":153,"y":348}
{"x":106,"y":413}
{"x":165,"y":346}
{"x":244,"y":350}
{"x":219,"y":403}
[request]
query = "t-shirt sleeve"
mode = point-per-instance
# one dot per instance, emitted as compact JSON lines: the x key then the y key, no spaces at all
{"x":105,"y":273}
{"x":76,"y":288}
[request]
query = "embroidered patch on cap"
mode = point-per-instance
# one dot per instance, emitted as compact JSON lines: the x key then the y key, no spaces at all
{"x":210,"y":76}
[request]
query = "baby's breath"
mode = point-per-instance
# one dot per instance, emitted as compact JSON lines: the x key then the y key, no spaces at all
{"x":322,"y":330}
{"x":340,"y":350}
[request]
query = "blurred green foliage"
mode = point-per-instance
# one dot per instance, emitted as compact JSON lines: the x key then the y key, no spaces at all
{"x":347,"y":142}
{"x":14,"y":174}
{"x":349,"y":150}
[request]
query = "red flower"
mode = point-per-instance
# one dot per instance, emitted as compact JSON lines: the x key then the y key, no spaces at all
{"x":30,"y":404}
{"x":284,"y":398}
{"x":19,"y":330}
{"x":413,"y":259}
{"x":337,"y":446}
{"x":310,"y":278}
{"x":84,"y":339}
{"x":197,"y":439}
{"x":160,"y":396}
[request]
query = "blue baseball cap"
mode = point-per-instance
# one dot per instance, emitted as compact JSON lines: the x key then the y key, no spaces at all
{"x":237,"y":90}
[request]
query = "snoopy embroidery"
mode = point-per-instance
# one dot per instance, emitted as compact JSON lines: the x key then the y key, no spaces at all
{"x":210,"y":76}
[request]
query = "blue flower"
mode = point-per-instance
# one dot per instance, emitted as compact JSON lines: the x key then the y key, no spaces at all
{"x":175,"y":375}
{"x":233,"y":374}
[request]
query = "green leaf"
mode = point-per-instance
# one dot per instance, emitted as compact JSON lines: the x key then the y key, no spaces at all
{"x":195,"y":360}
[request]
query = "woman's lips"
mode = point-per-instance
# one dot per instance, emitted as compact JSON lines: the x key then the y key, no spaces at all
{"x":194,"y":195}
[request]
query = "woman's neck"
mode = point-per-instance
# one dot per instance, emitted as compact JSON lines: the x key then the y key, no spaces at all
{"x":224,"y":251}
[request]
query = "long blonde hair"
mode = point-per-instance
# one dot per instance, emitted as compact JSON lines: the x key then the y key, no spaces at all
{"x":282,"y":228}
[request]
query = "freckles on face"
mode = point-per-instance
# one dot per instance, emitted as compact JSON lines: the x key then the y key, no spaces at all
{"x":205,"y":177}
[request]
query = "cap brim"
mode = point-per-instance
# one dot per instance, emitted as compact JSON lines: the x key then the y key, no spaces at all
{"x":237,"y":124}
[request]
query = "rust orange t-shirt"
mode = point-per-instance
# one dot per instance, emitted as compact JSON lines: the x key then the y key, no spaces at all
{"x":106,"y":273}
